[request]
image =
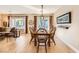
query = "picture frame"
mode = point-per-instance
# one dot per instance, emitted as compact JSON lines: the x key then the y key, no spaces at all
{"x":64,"y":19}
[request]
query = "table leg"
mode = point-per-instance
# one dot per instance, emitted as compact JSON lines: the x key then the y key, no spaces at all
{"x":49,"y":41}
{"x":7,"y":39}
{"x":19,"y":33}
{"x":35,"y":43}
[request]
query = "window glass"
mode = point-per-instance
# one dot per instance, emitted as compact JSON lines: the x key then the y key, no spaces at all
{"x":43,"y":22}
{"x":17,"y":21}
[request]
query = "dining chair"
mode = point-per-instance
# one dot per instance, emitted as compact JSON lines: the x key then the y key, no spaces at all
{"x":51,"y":29}
{"x":42,"y":39}
{"x":52,"y":35}
{"x":32,"y":35}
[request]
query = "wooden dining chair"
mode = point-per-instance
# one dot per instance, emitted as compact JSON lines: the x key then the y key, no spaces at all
{"x":32,"y":35}
{"x":42,"y":39}
{"x":52,"y":35}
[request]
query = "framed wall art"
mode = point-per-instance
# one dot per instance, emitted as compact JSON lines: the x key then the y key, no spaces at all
{"x":64,"y":19}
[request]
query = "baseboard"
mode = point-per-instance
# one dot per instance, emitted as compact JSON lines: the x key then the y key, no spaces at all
{"x":70,"y":46}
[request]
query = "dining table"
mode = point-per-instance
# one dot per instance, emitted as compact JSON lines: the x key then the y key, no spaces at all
{"x":46,"y":34}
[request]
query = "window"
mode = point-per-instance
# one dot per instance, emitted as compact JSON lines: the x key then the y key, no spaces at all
{"x":18,"y":21}
{"x":43,"y":22}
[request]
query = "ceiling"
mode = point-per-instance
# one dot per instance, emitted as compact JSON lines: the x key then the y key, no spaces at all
{"x":28,"y":9}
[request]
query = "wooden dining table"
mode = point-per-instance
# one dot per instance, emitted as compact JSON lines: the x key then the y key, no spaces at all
{"x":46,"y":34}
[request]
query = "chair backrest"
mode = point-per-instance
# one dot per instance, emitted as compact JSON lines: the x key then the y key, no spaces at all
{"x":51,"y":29}
{"x":31,"y":31}
{"x":43,"y":31}
{"x":53,"y":32}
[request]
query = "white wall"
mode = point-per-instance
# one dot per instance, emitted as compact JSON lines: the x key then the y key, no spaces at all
{"x":71,"y":35}
{"x":3,"y":17}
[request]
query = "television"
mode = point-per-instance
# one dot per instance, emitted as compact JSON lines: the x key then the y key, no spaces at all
{"x":64,"y":19}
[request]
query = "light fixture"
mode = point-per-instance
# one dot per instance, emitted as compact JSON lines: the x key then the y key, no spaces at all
{"x":42,"y":11}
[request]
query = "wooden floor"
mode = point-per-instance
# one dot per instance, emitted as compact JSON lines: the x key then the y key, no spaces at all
{"x":22,"y":45}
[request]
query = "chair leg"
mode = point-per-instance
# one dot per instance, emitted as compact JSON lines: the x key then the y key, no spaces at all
{"x":38,"y":48}
{"x":31,"y":39}
{"x":45,"y":47}
{"x":53,"y":41}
